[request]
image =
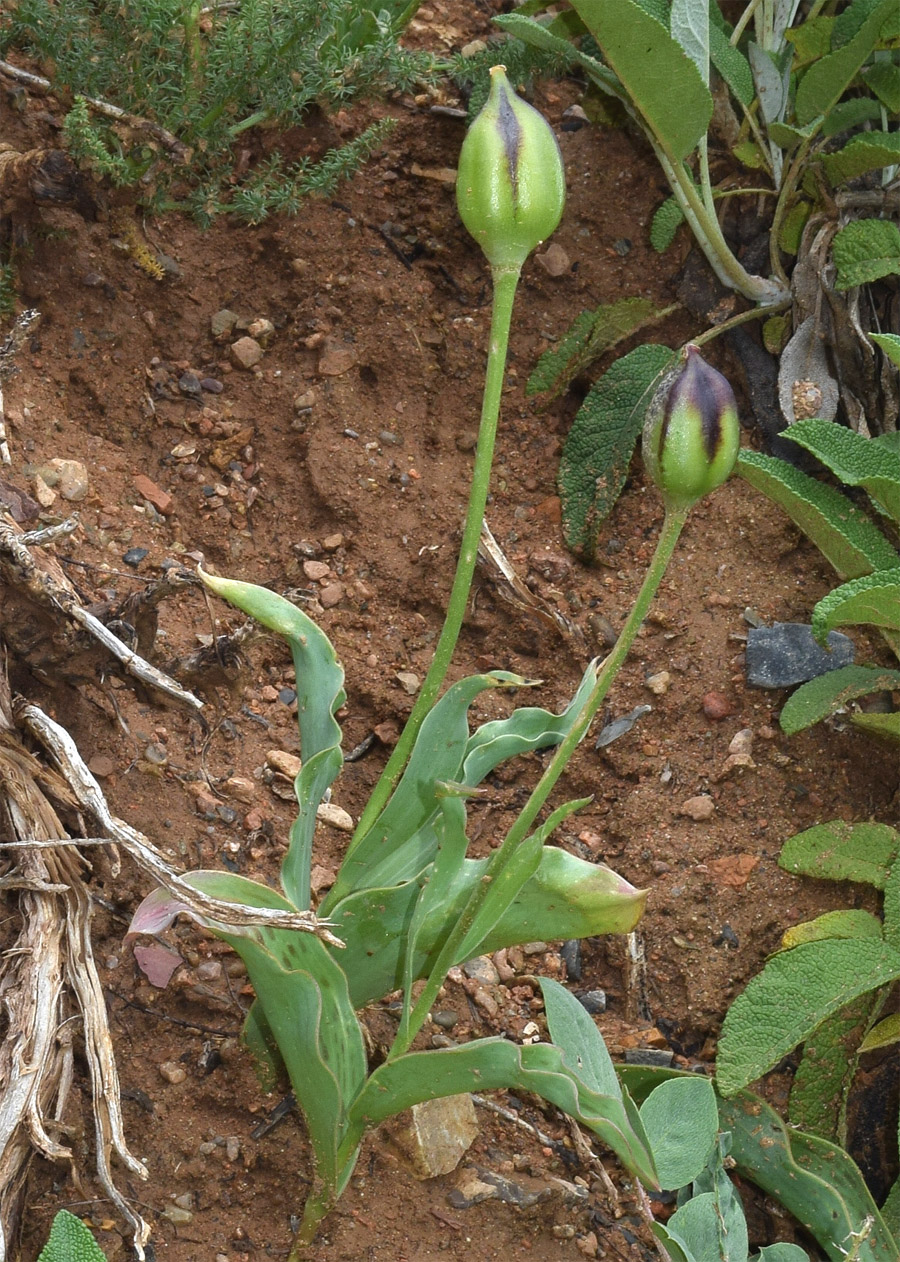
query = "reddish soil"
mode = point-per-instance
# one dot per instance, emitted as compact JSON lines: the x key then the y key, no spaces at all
{"x":371,"y":481}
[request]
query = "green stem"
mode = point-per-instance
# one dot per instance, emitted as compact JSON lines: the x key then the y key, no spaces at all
{"x":673,"y":524}
{"x":505,"y":282}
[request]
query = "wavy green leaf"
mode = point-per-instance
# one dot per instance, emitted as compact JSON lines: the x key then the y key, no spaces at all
{"x":883,"y":78}
{"x":873,"y":599}
{"x":654,"y":70}
{"x":320,"y":694}
{"x":842,"y":532}
{"x":886,"y":726}
{"x":868,"y":152}
{"x":857,"y":461}
{"x":793,"y":994}
{"x":827,"y":1068}
{"x":667,"y":219}
{"x":848,"y":115}
{"x":839,"y":851}
{"x":70,"y":1241}
{"x":600,"y":444}
{"x":815,"y":700}
{"x":496,"y":1064}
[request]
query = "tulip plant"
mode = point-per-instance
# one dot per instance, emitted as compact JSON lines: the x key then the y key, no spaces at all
{"x":407,"y":904}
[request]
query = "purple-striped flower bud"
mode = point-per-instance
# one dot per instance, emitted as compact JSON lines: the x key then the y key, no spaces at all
{"x":510,"y":184}
{"x":691,"y":432}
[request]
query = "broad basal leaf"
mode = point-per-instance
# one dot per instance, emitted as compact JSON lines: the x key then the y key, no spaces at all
{"x":850,"y":922}
{"x":842,"y":532}
{"x":795,"y":992}
{"x":682,"y":1122}
{"x":827,"y":79}
{"x":599,"y":447}
{"x":868,"y":152}
{"x":589,"y":336}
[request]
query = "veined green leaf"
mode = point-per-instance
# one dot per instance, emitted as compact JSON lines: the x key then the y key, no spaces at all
{"x":868,"y":152}
{"x":891,"y":908}
{"x":849,"y":922}
{"x":873,"y":599}
{"x":844,"y":534}
{"x":589,"y":336}
{"x":884,"y":1034}
{"x":849,"y":114}
{"x":601,"y":441}
{"x":827,"y":1068}
{"x":839,"y":851}
{"x":866,"y":250}
{"x":497,"y":1064}
{"x":795,"y":992}
{"x":811,"y":40}
{"x":667,"y":219}
{"x":732,"y":65}
{"x":654,"y":71}
{"x":70,"y":1241}
{"x":689,"y":27}
{"x":320,"y":694}
{"x":827,"y":79}
{"x":552,"y":37}
{"x":815,"y":700}
{"x":883,"y":78}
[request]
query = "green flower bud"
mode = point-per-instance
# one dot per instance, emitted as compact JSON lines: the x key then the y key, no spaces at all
{"x":510,"y":185}
{"x":691,"y":433}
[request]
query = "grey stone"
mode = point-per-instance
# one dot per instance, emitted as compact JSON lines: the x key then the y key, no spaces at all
{"x":657,"y":1056}
{"x":593,"y":1001}
{"x":786,"y":654}
{"x":433,"y":1137}
{"x":482,"y":969}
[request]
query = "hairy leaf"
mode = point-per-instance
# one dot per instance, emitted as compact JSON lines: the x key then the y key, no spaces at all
{"x":892,"y":907}
{"x":842,"y":532}
{"x":588,"y":337}
{"x":886,"y":726}
{"x":654,"y":70}
{"x":827,"y":1068}
{"x":868,"y":152}
{"x":827,"y":79}
{"x":890,"y":344}
{"x":498,"y":1064}
{"x":848,"y":115}
{"x":598,"y":450}
{"x":873,"y":599}
{"x":320,"y":694}
{"x":667,"y":219}
{"x":689,"y":27}
{"x":681,"y":1121}
{"x":865,"y":251}
{"x":883,"y":78}
{"x":839,"y":851}
{"x":815,"y":700}
{"x":855,"y":460}
{"x":793,"y":994}
{"x":706,"y":1229}
{"x":732,"y":65}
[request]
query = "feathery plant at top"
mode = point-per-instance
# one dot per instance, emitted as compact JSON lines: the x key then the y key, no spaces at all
{"x":209,"y":76}
{"x":408,"y":903}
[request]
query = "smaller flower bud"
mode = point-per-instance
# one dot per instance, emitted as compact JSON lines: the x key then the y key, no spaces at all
{"x":510,"y":185}
{"x":691,"y":432}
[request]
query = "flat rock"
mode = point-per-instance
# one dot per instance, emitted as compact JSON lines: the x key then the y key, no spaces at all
{"x":786,"y":654}
{"x":433,"y":1137}
{"x":72,"y":477}
{"x":161,"y":500}
{"x":222,"y":323}
{"x":336,"y":358}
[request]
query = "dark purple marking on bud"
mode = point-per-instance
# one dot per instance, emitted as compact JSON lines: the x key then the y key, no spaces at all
{"x":708,"y":401}
{"x":511,"y":134}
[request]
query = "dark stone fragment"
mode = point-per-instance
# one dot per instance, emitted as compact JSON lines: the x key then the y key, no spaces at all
{"x":571,"y":953}
{"x":287,"y":696}
{"x":593,"y":1001}
{"x":726,"y":937}
{"x":786,"y":654}
{"x":134,"y":556}
{"x":189,"y":384}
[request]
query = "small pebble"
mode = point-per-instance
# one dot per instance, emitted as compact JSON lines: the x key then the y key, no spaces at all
{"x":211,"y":385}
{"x":134,"y":556}
{"x":408,"y":681}
{"x":716,"y":706}
{"x":232,"y":1147}
{"x":445,"y":1018}
{"x":659,"y":683}
{"x":657,"y":1056}
{"x":189,"y":384}
{"x":172,"y":1072}
{"x":177,"y":1216}
{"x":571,"y":954}
{"x":699,"y":808}
{"x":482,"y":969}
